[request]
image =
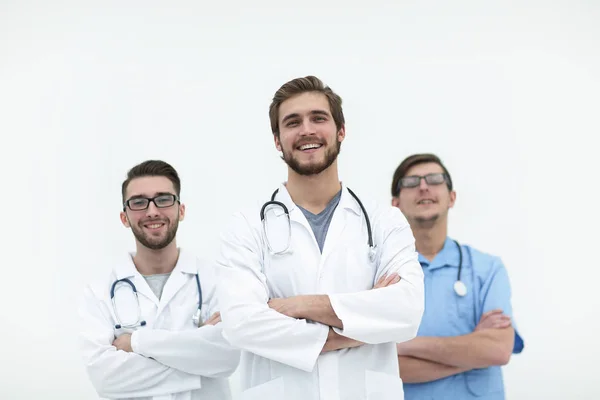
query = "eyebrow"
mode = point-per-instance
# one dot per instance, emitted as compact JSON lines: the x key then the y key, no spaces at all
{"x":141,"y":196}
{"x":313,"y":112}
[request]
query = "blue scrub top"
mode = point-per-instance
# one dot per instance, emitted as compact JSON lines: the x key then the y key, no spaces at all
{"x":447,"y":314}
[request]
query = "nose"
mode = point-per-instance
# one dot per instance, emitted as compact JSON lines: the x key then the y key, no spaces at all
{"x":308,"y":128}
{"x":152,"y":210}
{"x":423,"y":184}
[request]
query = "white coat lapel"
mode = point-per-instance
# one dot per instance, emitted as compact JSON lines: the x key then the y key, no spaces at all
{"x":183,"y":272}
{"x":296,"y":215}
{"x":127,"y":269}
{"x":339,"y":221}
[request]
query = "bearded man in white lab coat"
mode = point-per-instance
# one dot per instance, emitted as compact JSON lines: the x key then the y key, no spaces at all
{"x":155,"y":349}
{"x":317,"y":305}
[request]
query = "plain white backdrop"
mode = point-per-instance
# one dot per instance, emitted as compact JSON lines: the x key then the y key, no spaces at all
{"x":507,"y":94}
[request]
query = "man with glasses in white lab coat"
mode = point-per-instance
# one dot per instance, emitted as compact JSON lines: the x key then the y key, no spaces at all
{"x":316,"y":287}
{"x":151,"y":329}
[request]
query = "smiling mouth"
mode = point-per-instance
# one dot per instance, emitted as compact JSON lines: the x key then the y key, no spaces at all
{"x":309,"y":146}
{"x":426,"y":201}
{"x":154,"y":225}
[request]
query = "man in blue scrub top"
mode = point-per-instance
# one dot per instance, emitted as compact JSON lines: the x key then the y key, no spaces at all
{"x":467,"y":332}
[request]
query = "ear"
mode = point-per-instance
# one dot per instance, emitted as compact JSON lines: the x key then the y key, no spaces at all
{"x":395,"y":202}
{"x":124,"y":219}
{"x":181,"y":212}
{"x":341,"y":135}
{"x":452,"y":199}
{"x":277,"y":142}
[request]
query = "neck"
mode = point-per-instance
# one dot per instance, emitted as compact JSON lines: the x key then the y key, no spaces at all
{"x":430,"y":240}
{"x":314,"y":192}
{"x":150,"y":262}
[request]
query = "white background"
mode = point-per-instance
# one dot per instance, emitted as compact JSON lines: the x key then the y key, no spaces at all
{"x":506,"y":93}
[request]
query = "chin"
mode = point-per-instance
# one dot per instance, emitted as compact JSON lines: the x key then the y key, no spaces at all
{"x":427,"y":217}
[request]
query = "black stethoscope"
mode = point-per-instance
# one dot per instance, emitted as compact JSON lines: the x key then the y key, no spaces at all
{"x":372,"y":248}
{"x":196,"y":318}
{"x":459,"y":286}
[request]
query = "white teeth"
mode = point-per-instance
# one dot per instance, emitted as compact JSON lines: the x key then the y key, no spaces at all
{"x":154,"y":226}
{"x":426,"y":202}
{"x":310,"y":146}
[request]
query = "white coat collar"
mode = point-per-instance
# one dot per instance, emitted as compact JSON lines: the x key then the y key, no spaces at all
{"x":347,"y":201}
{"x":186,"y":263}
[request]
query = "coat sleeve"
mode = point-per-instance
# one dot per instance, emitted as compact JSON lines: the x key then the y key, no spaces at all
{"x":118,"y":374}
{"x":248,"y":322}
{"x":393,"y":313}
{"x":202,"y":351}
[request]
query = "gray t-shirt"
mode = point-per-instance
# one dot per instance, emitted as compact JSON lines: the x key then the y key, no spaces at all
{"x":320,"y":222}
{"x":157,"y":282}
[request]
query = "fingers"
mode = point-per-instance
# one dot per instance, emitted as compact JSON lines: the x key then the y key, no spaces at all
{"x":502,"y":322}
{"x":491,"y":312}
{"x":380,"y":282}
{"x":274,"y":303}
{"x":494,"y":321}
{"x":393,"y":278}
{"x":214,"y":319}
{"x":386,"y":280}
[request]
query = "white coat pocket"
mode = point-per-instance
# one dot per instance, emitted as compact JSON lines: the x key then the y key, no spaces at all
{"x":383,"y":386}
{"x":272,"y":389}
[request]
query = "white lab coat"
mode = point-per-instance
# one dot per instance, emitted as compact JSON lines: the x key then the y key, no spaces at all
{"x":171,"y":358}
{"x":281,"y":357}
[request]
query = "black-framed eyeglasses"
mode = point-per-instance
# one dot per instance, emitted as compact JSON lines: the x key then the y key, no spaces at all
{"x":142,"y":203}
{"x":414,"y":181}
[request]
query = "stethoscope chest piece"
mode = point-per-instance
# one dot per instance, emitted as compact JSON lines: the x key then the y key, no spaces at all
{"x":372,"y":253}
{"x":460,"y":288}
{"x":197,"y":319}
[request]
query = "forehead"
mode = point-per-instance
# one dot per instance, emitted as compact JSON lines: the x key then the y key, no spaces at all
{"x":424,"y":169}
{"x":149,"y":186}
{"x":303,"y":104}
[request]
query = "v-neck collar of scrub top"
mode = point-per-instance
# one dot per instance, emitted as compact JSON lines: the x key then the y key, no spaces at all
{"x":447,"y":257}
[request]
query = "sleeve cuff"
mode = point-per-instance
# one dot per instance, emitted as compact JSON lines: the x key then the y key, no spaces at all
{"x":340,"y":311}
{"x":320,"y":343}
{"x":135,"y":342}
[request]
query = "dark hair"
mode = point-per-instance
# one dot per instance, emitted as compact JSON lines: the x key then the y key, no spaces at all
{"x":303,"y":85}
{"x":410,"y":162}
{"x":152,"y":168}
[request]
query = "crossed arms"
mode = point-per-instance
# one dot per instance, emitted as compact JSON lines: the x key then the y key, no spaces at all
{"x":295,"y":331}
{"x":318,"y":308}
{"x":150,"y":362}
{"x":426,"y":359}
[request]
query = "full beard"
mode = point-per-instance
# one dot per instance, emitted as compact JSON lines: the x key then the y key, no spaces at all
{"x":156,"y":243}
{"x":331,"y":155}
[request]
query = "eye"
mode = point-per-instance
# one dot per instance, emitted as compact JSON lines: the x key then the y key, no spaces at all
{"x":291,"y":123}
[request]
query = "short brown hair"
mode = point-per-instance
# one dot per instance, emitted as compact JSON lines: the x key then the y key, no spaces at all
{"x":152,"y":168}
{"x":302,"y":85}
{"x":410,"y":162}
